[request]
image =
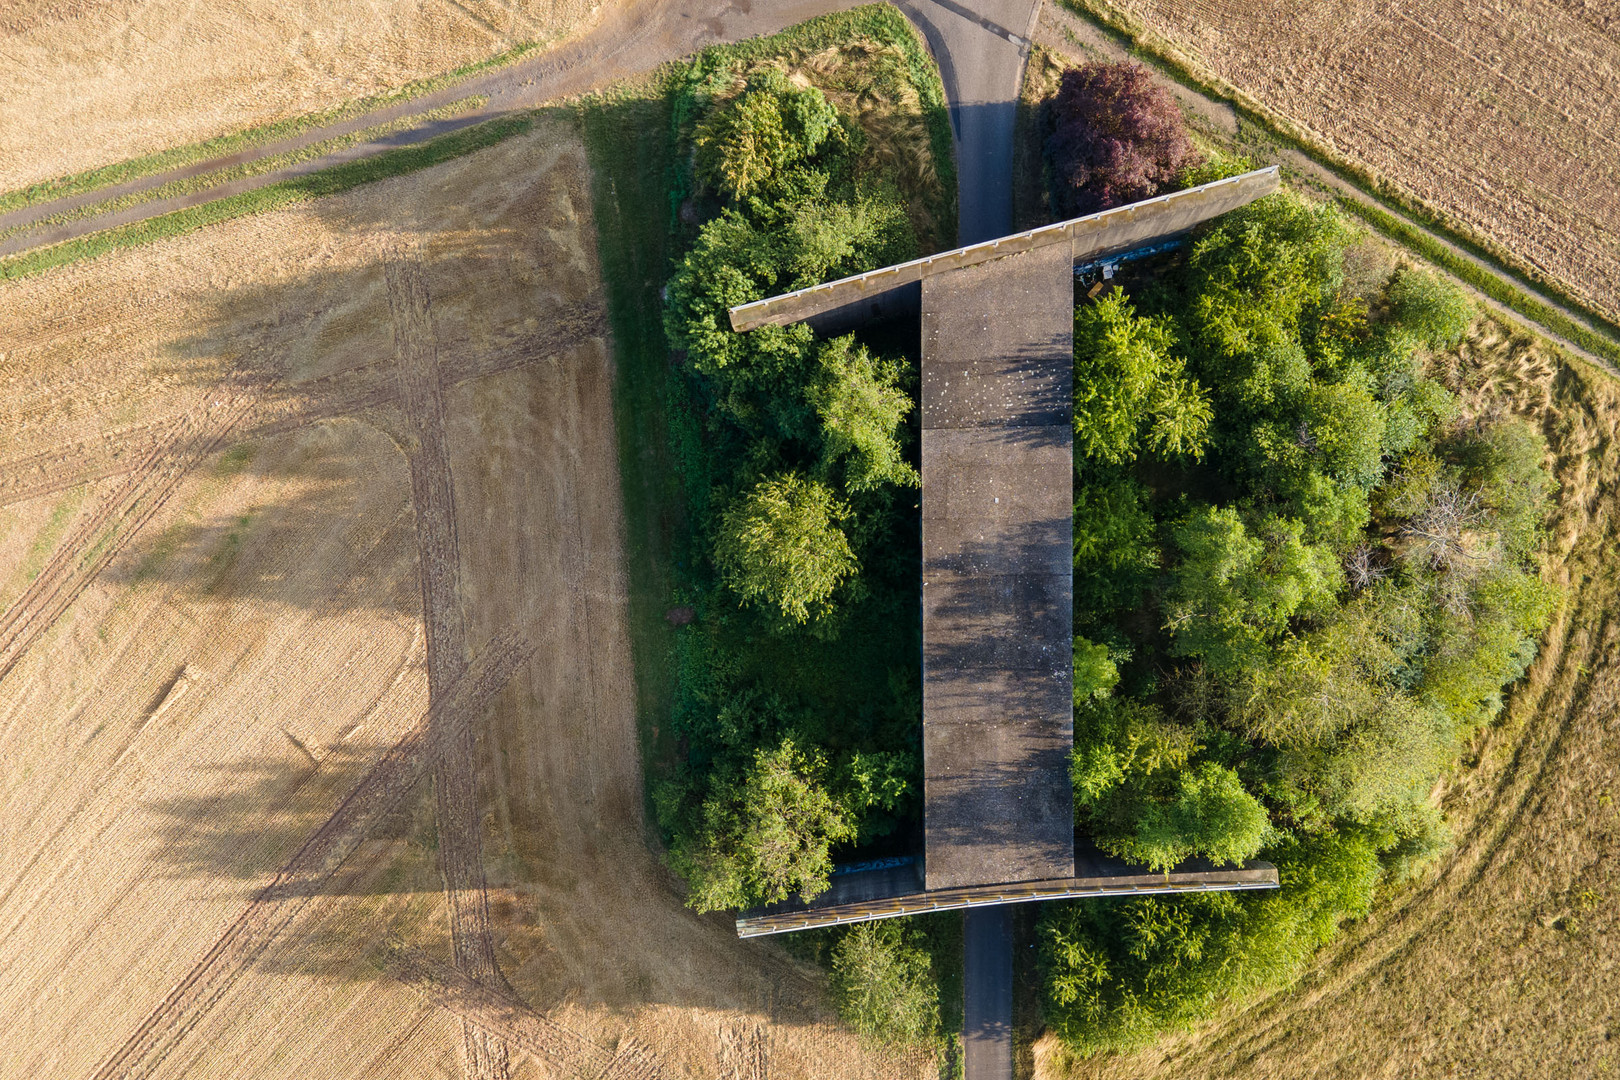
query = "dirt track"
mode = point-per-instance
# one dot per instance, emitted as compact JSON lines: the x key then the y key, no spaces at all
{"x":254,"y":648}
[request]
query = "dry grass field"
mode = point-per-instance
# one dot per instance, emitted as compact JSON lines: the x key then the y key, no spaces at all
{"x":316,"y":700}
{"x":93,"y":82}
{"x":1505,"y":960}
{"x":1503,"y":115}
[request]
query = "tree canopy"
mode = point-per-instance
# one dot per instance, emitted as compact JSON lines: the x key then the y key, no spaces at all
{"x":1114,"y":137}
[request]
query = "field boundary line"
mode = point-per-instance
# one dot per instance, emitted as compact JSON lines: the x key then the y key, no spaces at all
{"x":455,"y":776}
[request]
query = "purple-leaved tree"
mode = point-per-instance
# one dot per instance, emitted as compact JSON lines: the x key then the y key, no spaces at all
{"x":1114,"y":137}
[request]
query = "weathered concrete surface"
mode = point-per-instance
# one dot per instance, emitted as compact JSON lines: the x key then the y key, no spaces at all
{"x":1109,"y":232}
{"x":997,"y":505}
{"x":892,"y":892}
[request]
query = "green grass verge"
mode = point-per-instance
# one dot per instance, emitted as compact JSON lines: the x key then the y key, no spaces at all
{"x":1493,"y":286}
{"x":1164,"y":56}
{"x":283,"y":193}
{"x":627,"y":140}
{"x":256,"y":167}
{"x":177,"y":157}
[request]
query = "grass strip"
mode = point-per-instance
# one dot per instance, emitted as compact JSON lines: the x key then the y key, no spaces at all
{"x":1492,"y":285}
{"x":256,"y":167}
{"x":176,"y":157}
{"x":627,"y":139}
{"x":283,"y":193}
{"x":1154,"y":49}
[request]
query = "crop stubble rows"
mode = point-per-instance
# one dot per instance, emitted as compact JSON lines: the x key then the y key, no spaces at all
{"x":1501,"y":116}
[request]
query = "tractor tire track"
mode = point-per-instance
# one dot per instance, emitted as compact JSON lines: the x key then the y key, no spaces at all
{"x":344,"y":393}
{"x":501,"y":1013}
{"x":455,"y":777}
{"x":308,"y":873}
{"x":118,"y":517}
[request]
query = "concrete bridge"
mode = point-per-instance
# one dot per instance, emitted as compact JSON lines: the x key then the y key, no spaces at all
{"x":996,"y":325}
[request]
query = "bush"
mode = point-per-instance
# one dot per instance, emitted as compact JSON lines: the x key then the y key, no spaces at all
{"x":780,"y":546}
{"x":1115,"y":137}
{"x":882,"y":984}
{"x":752,"y":140}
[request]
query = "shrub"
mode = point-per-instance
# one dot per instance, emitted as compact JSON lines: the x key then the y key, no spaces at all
{"x":750,"y":141}
{"x":780,"y":546}
{"x":882,"y":984}
{"x":1115,"y":137}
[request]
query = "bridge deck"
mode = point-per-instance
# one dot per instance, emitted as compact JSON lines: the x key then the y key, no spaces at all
{"x":997,"y":500}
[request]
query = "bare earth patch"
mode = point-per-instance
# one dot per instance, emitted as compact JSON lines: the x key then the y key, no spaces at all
{"x":221,"y":470}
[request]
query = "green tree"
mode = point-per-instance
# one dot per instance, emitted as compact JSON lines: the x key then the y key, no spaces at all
{"x":1437,"y":312}
{"x":1130,"y":390}
{"x":766,"y":837}
{"x":883,"y":985}
{"x":780,"y":546}
{"x":746,"y":143}
{"x":861,"y":408}
{"x":1234,"y":593}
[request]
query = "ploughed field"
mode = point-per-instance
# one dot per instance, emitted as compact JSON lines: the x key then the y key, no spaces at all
{"x":1502,"y":116}
{"x":326,"y":501}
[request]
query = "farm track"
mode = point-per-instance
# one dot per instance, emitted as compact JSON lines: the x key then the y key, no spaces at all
{"x":455,"y":778}
{"x":276,"y":410}
{"x":500,"y":1013}
{"x":310,"y":870}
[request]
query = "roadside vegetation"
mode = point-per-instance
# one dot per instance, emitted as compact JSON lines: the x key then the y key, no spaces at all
{"x":282,"y":193}
{"x":778,"y":480}
{"x":1301,"y":585}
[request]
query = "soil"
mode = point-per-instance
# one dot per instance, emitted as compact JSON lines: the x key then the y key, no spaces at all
{"x":317,"y":699}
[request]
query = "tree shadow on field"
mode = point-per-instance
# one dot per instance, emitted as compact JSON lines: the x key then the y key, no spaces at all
{"x":319,"y":477}
{"x":261,"y":811}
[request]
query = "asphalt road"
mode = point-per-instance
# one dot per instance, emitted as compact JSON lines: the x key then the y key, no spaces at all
{"x":987,"y":1000}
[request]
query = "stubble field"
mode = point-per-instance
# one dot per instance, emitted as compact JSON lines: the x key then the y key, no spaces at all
{"x":316,"y":694}
{"x":94,"y":82}
{"x":1502,"y":116}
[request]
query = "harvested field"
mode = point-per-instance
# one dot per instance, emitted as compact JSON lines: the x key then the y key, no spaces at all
{"x":1501,"y":117}
{"x":315,"y":687}
{"x":95,"y":82}
{"x":1505,"y":960}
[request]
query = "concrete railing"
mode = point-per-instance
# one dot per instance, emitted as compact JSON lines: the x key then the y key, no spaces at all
{"x":1111,"y":231}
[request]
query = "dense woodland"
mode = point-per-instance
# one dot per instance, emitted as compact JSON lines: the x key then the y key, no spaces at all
{"x":1301,"y":581}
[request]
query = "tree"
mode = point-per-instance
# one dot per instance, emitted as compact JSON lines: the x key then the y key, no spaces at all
{"x":1436,"y":311}
{"x":766,"y":837}
{"x":1130,"y":389}
{"x":882,"y":984}
{"x":745,"y":144}
{"x":1234,"y":593}
{"x":861,"y":410}
{"x":1115,"y":137}
{"x":779,"y":546}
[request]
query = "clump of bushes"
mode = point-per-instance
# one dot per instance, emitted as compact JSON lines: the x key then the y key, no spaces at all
{"x":1114,"y":136}
{"x":1302,"y":581}
{"x":798,"y":711}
